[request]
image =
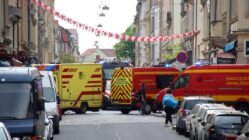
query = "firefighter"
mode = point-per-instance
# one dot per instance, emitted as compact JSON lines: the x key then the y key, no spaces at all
{"x":142,"y":96}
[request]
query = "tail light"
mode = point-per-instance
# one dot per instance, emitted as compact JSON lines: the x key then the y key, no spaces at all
{"x":183,"y":113}
{"x":211,"y":130}
{"x":230,"y":137}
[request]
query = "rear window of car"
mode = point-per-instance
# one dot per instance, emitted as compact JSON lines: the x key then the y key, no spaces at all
{"x":191,"y":103}
{"x":230,"y":119}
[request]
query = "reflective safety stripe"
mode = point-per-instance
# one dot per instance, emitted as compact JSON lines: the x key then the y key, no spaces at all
{"x":121,"y":86}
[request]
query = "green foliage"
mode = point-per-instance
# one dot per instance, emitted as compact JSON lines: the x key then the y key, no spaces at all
{"x":125,"y":49}
{"x":66,"y":58}
{"x":176,"y":48}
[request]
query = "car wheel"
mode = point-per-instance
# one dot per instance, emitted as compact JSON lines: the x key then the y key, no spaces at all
{"x":147,"y":109}
{"x":186,"y":134}
{"x":56,"y":122}
{"x":177,"y":129}
{"x":82,"y":109}
{"x":125,"y":111}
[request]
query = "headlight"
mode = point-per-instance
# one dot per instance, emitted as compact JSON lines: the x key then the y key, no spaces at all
{"x":26,"y":138}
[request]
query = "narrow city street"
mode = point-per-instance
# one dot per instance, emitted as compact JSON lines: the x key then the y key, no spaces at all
{"x":112,"y":125}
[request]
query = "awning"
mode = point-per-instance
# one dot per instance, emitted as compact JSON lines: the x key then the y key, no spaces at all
{"x":230,"y":46}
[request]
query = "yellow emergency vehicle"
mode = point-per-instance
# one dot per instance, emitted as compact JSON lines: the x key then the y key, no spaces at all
{"x":80,"y":86}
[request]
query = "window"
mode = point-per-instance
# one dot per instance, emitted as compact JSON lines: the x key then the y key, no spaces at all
{"x":246,"y":8}
{"x":163,"y":81}
{"x":230,"y":119}
{"x":234,"y":9}
{"x":19,"y":95}
{"x":210,"y":118}
{"x":153,"y":24}
{"x":215,"y":10}
{"x":181,"y":82}
{"x":153,"y":52}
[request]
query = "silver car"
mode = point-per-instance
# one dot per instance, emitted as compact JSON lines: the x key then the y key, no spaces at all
{"x":186,"y":106}
{"x":195,"y":122}
{"x":225,"y":123}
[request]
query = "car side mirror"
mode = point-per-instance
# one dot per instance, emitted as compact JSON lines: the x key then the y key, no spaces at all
{"x":203,"y":123}
{"x":41,"y":104}
{"x":247,"y":134}
{"x":46,"y":122}
{"x":58,"y":99}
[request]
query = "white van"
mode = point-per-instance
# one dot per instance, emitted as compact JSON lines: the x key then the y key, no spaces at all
{"x":51,"y":99}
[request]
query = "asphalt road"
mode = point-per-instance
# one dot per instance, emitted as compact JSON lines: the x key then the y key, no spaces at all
{"x":112,"y":125}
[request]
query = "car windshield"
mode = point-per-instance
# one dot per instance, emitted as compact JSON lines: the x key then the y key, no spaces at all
{"x":108,"y":73}
{"x":230,"y":120}
{"x":14,"y":100}
{"x":191,"y":103}
{"x":3,"y":136}
{"x":49,"y":94}
{"x":108,"y":85}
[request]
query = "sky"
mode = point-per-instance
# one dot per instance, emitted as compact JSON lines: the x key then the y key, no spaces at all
{"x":117,"y":19}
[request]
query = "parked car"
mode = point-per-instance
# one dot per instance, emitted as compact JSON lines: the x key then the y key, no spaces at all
{"x":186,"y":106}
{"x":22,"y":107}
{"x":195,"y":122}
{"x":224,"y":123}
{"x":51,"y":99}
{"x":244,"y":133}
{"x":199,"y":127}
{"x":191,"y":115}
{"x":4,"y":133}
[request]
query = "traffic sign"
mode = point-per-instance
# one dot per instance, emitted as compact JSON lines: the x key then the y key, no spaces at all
{"x":182,"y":57}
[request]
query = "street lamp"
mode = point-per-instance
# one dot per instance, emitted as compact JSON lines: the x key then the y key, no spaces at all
{"x":102,"y":14}
{"x":99,"y":25}
{"x":105,"y":7}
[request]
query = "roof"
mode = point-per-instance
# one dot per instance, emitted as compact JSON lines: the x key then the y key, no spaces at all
{"x":231,"y":112}
{"x":215,"y":106}
{"x":18,"y":74}
{"x":107,"y":52}
{"x":218,"y":66}
{"x":149,"y":69}
{"x":198,"y":97}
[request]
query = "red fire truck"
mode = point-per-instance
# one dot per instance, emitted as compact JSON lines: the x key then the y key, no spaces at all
{"x":126,"y":83}
{"x":226,"y":83}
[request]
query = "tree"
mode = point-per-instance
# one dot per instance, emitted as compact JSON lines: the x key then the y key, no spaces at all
{"x":125,"y":49}
{"x":175,"y":48}
{"x":66,"y":58}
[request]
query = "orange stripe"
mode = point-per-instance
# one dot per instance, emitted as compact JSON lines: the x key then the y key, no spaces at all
{"x":86,"y":93}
